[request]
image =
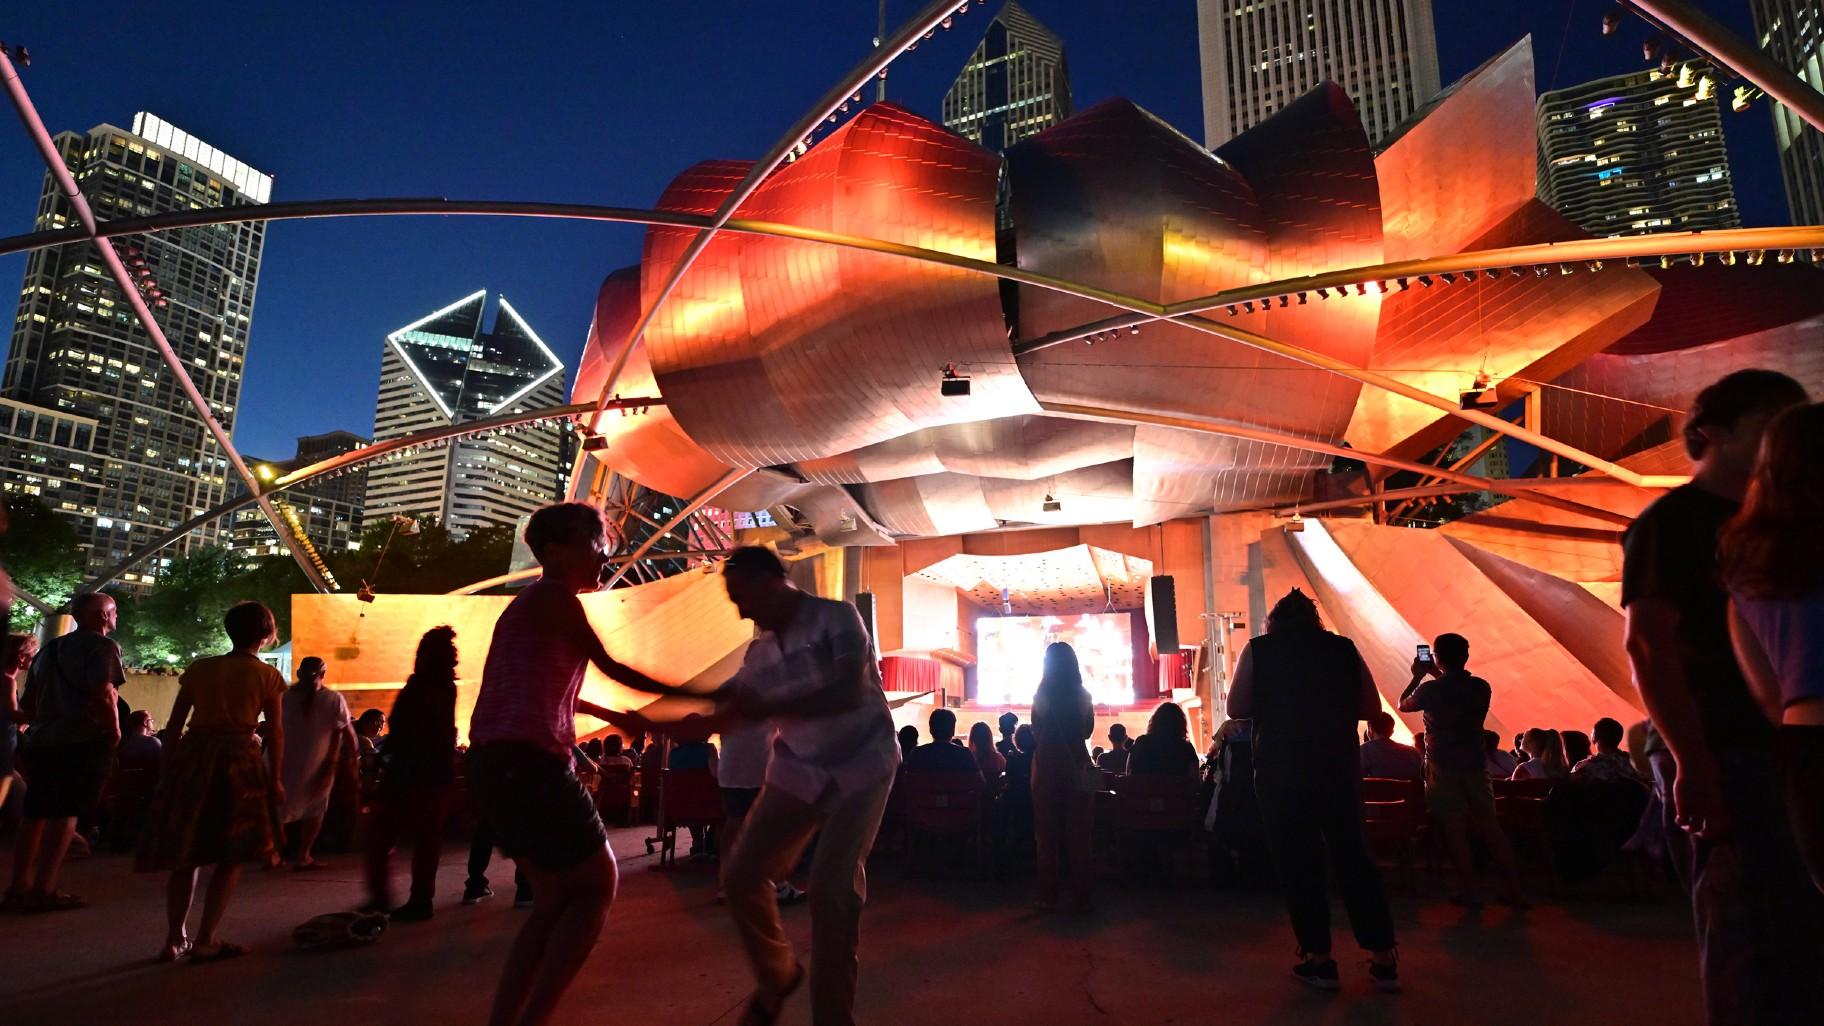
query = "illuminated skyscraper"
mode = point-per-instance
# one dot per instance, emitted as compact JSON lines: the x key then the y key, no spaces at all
{"x":442,"y":369}
{"x":1792,"y":33}
{"x":326,"y":510}
{"x":1637,"y":153}
{"x":1259,"y":55}
{"x":83,"y":364}
{"x":1015,"y":84}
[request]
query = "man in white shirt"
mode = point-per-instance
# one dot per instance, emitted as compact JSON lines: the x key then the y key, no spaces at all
{"x":811,"y":674}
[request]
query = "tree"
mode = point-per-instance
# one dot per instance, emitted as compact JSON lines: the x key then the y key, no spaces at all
{"x":40,"y":551}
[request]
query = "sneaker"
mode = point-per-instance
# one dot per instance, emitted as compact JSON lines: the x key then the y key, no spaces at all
{"x":476,"y":893}
{"x":1386,"y":976}
{"x":786,"y":894}
{"x":412,"y":912}
{"x":1318,"y":973}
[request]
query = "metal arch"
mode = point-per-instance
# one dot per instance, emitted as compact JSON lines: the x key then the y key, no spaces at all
{"x":1724,"y":47}
{"x":1472,"y":482}
{"x":688,"y":510}
{"x":1425,"y":492}
{"x":79,"y":205}
{"x":348,"y":461}
{"x":927,"y":19}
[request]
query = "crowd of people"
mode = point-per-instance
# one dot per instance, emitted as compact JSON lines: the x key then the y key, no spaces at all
{"x":1723,"y":591}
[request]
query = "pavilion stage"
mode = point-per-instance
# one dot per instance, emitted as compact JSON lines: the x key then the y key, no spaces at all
{"x":932,"y":951}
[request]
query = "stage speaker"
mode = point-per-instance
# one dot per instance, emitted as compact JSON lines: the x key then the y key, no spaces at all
{"x":864,"y":604}
{"x":1162,"y":614}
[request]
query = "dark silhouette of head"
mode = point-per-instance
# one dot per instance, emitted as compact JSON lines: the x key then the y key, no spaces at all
{"x":908,"y":738}
{"x":1117,"y":735}
{"x":140,"y":723}
{"x":1380,"y":724}
{"x":1576,"y":746}
{"x":1295,"y":612}
{"x":1062,"y":679}
{"x":569,"y":540}
{"x":370,"y":722}
{"x":1008,"y":722}
{"x":942,"y":725}
{"x":1492,"y":740}
{"x":1168,"y":721}
{"x":1726,"y":419}
{"x":759,"y":586}
{"x":612,"y":745}
{"x":1023,"y":738}
{"x":435,"y":662}
{"x":1607,"y":734}
{"x":981,"y":739}
{"x":1451,"y":651}
{"x":94,"y":611}
{"x":250,"y":625}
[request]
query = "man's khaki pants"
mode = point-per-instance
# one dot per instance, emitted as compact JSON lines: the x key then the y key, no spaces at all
{"x":772,"y":839}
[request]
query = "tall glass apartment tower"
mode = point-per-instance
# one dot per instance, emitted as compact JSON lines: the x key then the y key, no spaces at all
{"x":1015,"y":84}
{"x":1792,"y":33}
{"x":442,"y":369}
{"x":1636,"y":153}
{"x":77,"y":351}
{"x":1259,"y":55}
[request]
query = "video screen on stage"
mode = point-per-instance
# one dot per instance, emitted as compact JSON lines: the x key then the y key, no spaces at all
{"x":1010,"y":655}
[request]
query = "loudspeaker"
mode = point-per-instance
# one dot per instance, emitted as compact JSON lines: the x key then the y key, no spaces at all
{"x":864,"y":604}
{"x":1162,"y":614}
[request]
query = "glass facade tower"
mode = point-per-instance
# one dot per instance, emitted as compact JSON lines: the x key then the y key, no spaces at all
{"x":1792,"y":33}
{"x":79,"y":355}
{"x":1015,"y":84}
{"x":1636,"y":153}
{"x":443,"y":369}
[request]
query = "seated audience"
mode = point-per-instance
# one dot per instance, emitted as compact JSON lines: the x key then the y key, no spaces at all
{"x":940,"y":756}
{"x":612,"y":752}
{"x":990,"y":762}
{"x":1382,"y":756}
{"x":1115,"y":759}
{"x":1609,"y":763}
{"x":1576,"y":746}
{"x":1009,"y":722}
{"x":1501,"y":764}
{"x":139,"y":745}
{"x":908,"y":740}
{"x":1165,"y":749}
{"x":1545,"y":756}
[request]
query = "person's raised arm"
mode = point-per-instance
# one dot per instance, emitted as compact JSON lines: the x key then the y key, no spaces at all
{"x":1241,"y":690}
{"x":1763,"y":680}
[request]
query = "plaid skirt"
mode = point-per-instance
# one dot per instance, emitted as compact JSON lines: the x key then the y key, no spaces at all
{"x":214,"y":805}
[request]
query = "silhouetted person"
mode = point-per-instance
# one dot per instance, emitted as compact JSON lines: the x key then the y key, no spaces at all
{"x":1576,"y":746}
{"x":1608,"y":763}
{"x":1165,"y":749}
{"x":1008,"y":722}
{"x":1773,"y":560}
{"x":991,"y":763}
{"x":1386,"y":758}
{"x":1457,"y":791}
{"x":1544,"y":756}
{"x":1305,"y":690}
{"x":1115,"y":759}
{"x":417,"y":769}
{"x":1063,"y":718}
{"x":940,"y":756}
{"x":1500,"y":764}
{"x":908,"y":740}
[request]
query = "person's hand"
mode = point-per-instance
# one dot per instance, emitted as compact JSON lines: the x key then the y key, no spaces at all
{"x":1697,"y":800}
{"x":1423,"y":668}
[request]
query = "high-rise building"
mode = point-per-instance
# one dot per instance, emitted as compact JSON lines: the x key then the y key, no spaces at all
{"x":1792,"y":33}
{"x":327,"y":510}
{"x":78,"y":351}
{"x":1259,"y":55}
{"x":1015,"y":84}
{"x":441,"y":370}
{"x":1637,"y":153}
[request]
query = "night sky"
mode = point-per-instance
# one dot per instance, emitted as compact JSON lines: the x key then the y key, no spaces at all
{"x":565,"y":101}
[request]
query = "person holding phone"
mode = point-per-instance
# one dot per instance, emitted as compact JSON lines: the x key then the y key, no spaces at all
{"x":1457,"y":791}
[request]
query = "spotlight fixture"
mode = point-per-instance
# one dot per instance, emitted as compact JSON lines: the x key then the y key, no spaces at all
{"x":1727,"y":257}
{"x":1133,"y":329}
{"x":1633,"y":263}
{"x":1296,"y":525}
{"x":1594,"y":265}
{"x":1518,"y":272}
{"x":1051,"y":504}
{"x":1649,"y":48}
{"x":1540,"y":270}
{"x":1285,"y":301}
{"x":1755,"y":256}
{"x":953,"y":384}
{"x":1403,"y":284}
{"x":1611,"y":20}
{"x":1665,"y":261}
{"x":1248,"y":306}
{"x":1667,"y":61}
{"x":1303,"y":299}
{"x":1697,"y":259}
{"x":1232,"y":310}
{"x":1448,"y":277}
{"x":595,"y":443}
{"x":1706,"y":88}
{"x":1361,"y":289}
{"x":1744,"y":98}
{"x":1425,"y":280}
{"x":1323,"y":293}
{"x":1784,"y":256}
{"x":1687,"y":75}
{"x":1469,"y":275}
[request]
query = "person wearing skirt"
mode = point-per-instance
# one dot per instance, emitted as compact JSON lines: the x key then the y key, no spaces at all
{"x":218,"y":797}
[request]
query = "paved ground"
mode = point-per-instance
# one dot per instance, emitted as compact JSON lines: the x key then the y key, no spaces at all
{"x":935,"y":951}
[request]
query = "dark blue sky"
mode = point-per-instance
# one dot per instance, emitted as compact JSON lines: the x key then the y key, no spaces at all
{"x":562,"y":101}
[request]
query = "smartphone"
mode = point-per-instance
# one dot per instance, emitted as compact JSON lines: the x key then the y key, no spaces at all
{"x":1424,"y":653}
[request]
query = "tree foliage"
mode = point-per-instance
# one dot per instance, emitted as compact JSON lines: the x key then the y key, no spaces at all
{"x":40,"y":552}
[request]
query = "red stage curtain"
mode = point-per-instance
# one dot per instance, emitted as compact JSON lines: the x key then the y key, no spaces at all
{"x":1174,"y":671}
{"x":911,"y":673}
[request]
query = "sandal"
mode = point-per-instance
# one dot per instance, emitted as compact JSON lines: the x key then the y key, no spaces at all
{"x":52,"y":901}
{"x":173,"y":952}
{"x":220,"y":951}
{"x":763,"y":1010}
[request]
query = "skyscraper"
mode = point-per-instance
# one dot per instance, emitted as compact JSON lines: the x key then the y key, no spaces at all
{"x":78,"y":353}
{"x":442,"y":369}
{"x":1015,"y":84}
{"x":327,"y":510}
{"x":1637,"y":153}
{"x":1792,"y":33}
{"x":1259,"y":55}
